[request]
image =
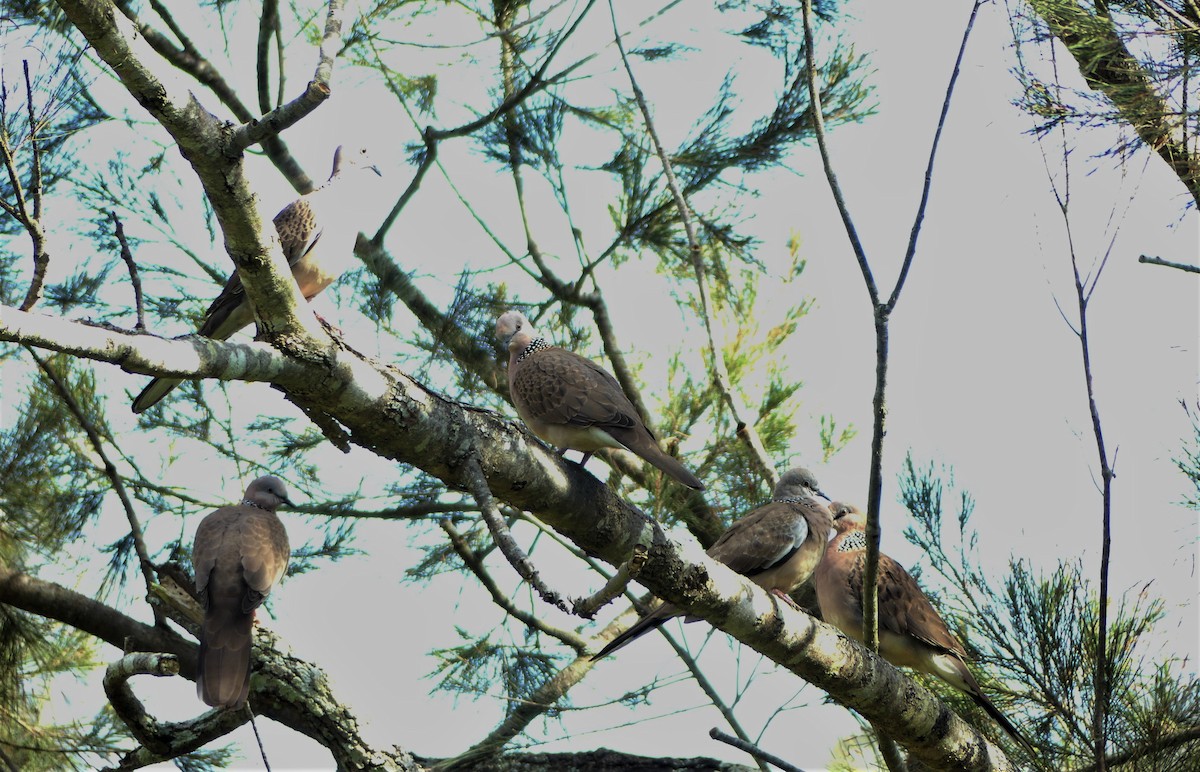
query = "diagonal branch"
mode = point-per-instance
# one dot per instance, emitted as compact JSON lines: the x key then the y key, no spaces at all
{"x":110,"y":469}
{"x":477,"y":485}
{"x":742,"y":419}
{"x":476,"y":567}
{"x":1108,"y":66}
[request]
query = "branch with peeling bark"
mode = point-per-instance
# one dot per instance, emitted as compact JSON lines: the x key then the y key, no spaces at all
{"x":286,"y":689}
{"x":394,"y":416}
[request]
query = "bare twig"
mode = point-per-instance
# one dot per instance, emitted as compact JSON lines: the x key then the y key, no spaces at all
{"x":28,"y":209}
{"x":318,"y":90}
{"x":710,"y":691}
{"x":1169,"y":264}
{"x":476,"y":567}
{"x":742,"y":419}
{"x":882,"y":310}
{"x":758,"y":753}
{"x":134,"y":279}
{"x":477,"y":485}
{"x":262,"y":750}
{"x":96,"y":440}
{"x":626,"y":572}
{"x":536,"y":82}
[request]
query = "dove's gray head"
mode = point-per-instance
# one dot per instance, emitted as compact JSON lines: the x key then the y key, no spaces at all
{"x":514,"y":331}
{"x":798,"y":483}
{"x":346,"y":159}
{"x":267,"y":492}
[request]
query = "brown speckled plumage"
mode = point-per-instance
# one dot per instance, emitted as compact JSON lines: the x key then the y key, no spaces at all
{"x":239,"y":554}
{"x":571,"y":402}
{"x":324,"y":216}
{"x":776,"y":546}
{"x":911,"y":632}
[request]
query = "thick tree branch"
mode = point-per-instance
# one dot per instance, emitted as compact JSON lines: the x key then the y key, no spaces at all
{"x":188,"y":357}
{"x":210,"y":147}
{"x":1109,"y":67}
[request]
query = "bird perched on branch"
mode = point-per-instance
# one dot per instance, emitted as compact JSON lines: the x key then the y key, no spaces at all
{"x":239,"y":555}
{"x":317,"y":233}
{"x":911,"y":633}
{"x":572,"y":402}
{"x":776,"y":546}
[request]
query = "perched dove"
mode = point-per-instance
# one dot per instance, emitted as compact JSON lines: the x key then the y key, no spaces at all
{"x":571,"y":402}
{"x":911,"y":633}
{"x":317,"y":232}
{"x":240,"y":553}
{"x":776,"y":546}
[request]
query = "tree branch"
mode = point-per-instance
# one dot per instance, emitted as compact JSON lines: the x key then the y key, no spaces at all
{"x":742,"y":420}
{"x":1169,"y":264}
{"x":1108,"y":67}
{"x":757,"y":753}
{"x":475,"y":565}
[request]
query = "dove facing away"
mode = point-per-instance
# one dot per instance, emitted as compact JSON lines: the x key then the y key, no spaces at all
{"x":571,"y":402}
{"x":911,"y":633}
{"x":317,"y":233}
{"x":240,"y":552}
{"x":776,"y":546}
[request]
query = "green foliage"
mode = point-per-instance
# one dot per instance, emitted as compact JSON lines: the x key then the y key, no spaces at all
{"x":480,"y":667}
{"x":1018,"y":633}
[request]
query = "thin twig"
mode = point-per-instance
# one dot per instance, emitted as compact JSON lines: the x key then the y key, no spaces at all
{"x":757,"y":753}
{"x":27,"y":211}
{"x":744,"y":423}
{"x":626,"y":572}
{"x":475,"y":565}
{"x":110,"y":470}
{"x":1169,"y":264}
{"x":262,"y":750}
{"x":710,"y":691}
{"x":477,"y":485}
{"x":937,"y":139}
{"x":134,"y":279}
{"x":537,"y":82}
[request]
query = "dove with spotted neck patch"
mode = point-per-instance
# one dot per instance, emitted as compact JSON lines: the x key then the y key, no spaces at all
{"x":240,"y":553}
{"x":571,"y":402}
{"x":911,"y":632}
